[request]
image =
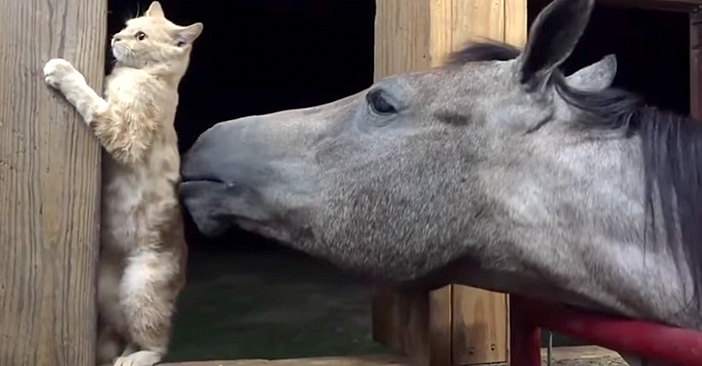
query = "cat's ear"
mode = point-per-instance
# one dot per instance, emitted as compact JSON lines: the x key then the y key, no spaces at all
{"x":188,"y":35}
{"x":155,"y":10}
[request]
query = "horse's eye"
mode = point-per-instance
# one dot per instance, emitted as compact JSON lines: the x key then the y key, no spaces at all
{"x":140,"y":36}
{"x":379,"y":104}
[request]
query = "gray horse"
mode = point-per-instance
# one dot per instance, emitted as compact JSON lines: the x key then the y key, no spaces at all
{"x":494,"y":171}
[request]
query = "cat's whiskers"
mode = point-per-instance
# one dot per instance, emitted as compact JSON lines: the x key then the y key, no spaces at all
{"x":123,"y":54}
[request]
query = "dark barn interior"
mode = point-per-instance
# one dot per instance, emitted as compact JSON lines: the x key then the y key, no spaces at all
{"x":652,"y":49}
{"x":251,"y":298}
{"x":248,"y":297}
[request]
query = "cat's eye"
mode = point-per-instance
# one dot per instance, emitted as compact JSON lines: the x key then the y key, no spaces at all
{"x":140,"y":36}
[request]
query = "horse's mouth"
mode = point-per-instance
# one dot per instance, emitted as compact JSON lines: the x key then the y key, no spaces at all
{"x":204,"y":200}
{"x":187,"y":179}
{"x":216,"y":205}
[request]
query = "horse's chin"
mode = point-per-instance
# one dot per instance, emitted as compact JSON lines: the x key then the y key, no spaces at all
{"x":267,"y":230}
{"x":203,"y":201}
{"x":216,"y":207}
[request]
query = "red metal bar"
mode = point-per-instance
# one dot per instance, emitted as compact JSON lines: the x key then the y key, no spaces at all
{"x":525,"y":337}
{"x":655,"y":342}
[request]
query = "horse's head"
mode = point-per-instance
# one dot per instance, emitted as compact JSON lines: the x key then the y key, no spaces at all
{"x":419,"y":169}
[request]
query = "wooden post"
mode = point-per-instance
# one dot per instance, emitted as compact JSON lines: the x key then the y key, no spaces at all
{"x":49,"y":185}
{"x":455,"y":325}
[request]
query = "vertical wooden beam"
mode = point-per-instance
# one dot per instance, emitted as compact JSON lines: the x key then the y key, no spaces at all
{"x":49,"y":185}
{"x":696,"y":64}
{"x":516,"y":17}
{"x":480,"y":326}
{"x":416,"y":323}
{"x":455,"y":325}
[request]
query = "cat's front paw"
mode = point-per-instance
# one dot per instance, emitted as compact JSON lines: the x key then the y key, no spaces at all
{"x":141,"y":358}
{"x":57,"y":70}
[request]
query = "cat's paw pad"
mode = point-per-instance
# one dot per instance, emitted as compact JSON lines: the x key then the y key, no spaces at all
{"x":57,"y":70}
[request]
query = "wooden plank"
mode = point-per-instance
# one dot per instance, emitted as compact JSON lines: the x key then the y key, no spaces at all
{"x":440,"y":330}
{"x":457,"y":22}
{"x":516,"y":16}
{"x":402,"y":36}
{"x":49,"y":185}
{"x":481,"y":318}
{"x":411,"y":36}
{"x":424,"y":32}
{"x":373,"y":360}
{"x":562,"y":356}
{"x":416,"y":323}
{"x":480,"y":327}
{"x":696,"y":65}
{"x":583,"y":356}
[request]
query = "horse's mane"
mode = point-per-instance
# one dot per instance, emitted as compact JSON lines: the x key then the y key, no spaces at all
{"x":672,"y":154}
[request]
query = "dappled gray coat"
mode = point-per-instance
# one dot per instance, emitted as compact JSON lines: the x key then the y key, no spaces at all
{"x":493,"y":171}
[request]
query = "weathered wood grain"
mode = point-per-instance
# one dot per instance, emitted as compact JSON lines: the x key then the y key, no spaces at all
{"x":562,"y":356}
{"x":416,"y":323}
{"x":371,"y":360}
{"x":480,"y":326}
{"x":516,"y":16}
{"x":49,"y":185}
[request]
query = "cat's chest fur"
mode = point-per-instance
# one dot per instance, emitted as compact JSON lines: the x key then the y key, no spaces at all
{"x":139,"y":197}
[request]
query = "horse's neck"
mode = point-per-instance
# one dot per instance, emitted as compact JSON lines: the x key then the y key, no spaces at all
{"x":595,"y":241}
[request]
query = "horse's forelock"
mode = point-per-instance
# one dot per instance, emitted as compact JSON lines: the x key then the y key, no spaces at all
{"x":483,"y":51}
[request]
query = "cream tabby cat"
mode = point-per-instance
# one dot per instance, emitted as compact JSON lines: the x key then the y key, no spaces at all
{"x":143,"y":251}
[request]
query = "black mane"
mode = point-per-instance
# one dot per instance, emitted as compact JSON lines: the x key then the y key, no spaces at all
{"x":483,"y":51}
{"x":672,"y":154}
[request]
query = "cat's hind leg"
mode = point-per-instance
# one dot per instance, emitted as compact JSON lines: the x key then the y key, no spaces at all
{"x":109,"y":345}
{"x":148,"y":292}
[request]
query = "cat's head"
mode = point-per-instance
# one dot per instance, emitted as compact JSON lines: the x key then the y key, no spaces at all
{"x":151,"y":40}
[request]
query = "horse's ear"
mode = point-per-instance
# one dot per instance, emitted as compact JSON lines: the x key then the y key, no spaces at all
{"x":554,"y":35}
{"x":595,"y":77}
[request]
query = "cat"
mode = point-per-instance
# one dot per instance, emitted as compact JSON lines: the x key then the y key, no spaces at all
{"x":142,"y":251}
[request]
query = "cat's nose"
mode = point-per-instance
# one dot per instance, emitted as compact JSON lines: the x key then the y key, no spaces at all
{"x":115,"y":40}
